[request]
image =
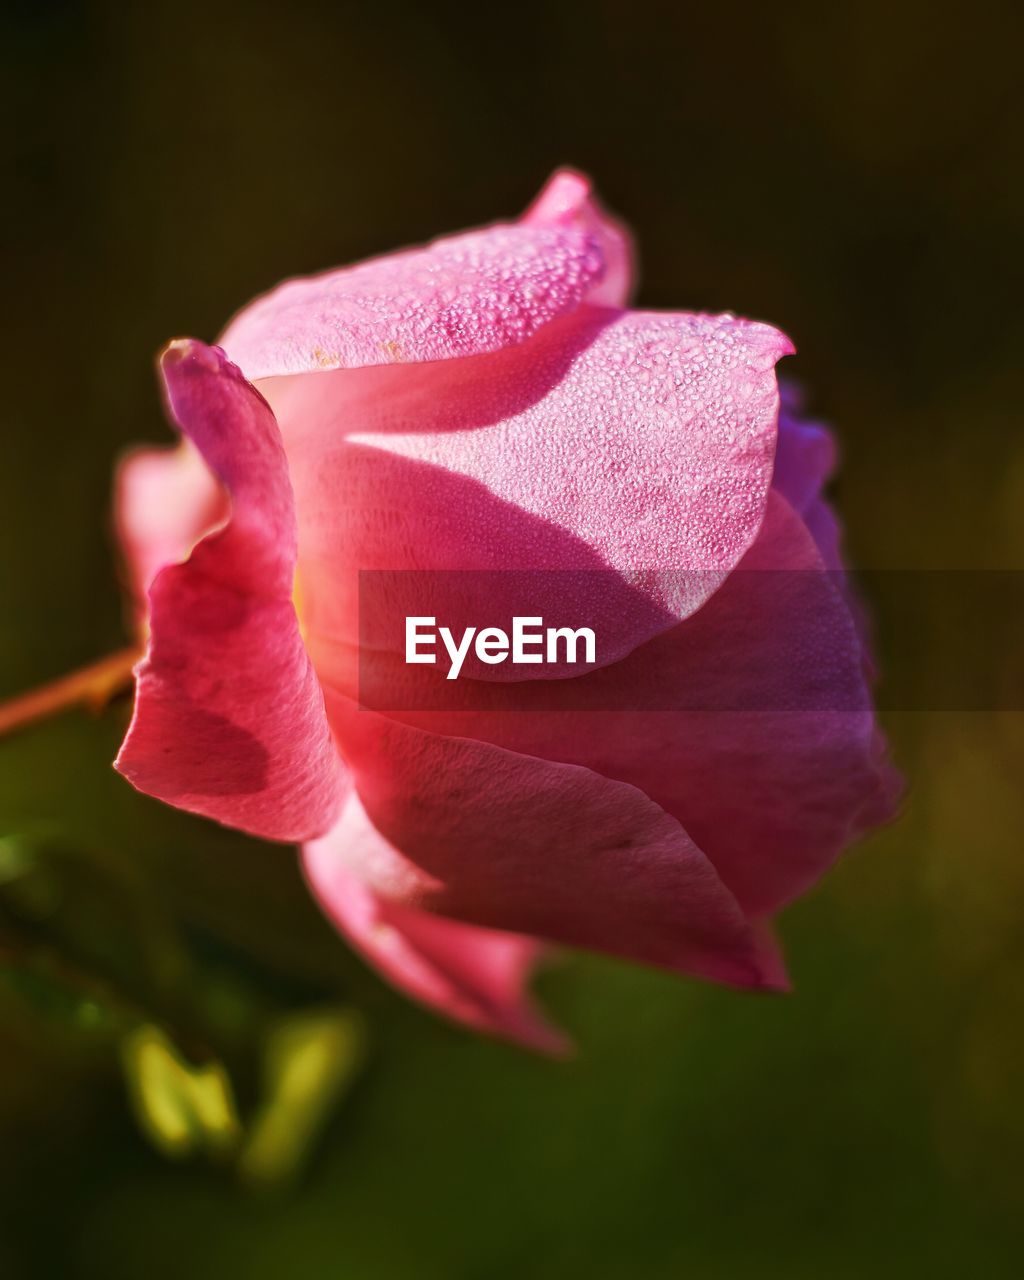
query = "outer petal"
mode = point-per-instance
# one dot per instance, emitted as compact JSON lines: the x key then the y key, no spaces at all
{"x":637,"y":445}
{"x":229,"y":717}
{"x":508,"y":841}
{"x":460,"y":296}
{"x":477,"y":976}
{"x":779,"y":776}
{"x":751,"y":722}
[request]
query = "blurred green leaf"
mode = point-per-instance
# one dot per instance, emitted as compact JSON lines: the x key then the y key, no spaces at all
{"x":15,"y":859}
{"x":180,"y":1107}
{"x":311,"y":1059}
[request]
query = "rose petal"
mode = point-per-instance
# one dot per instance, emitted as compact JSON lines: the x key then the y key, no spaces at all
{"x":477,"y":976}
{"x":751,"y":722}
{"x":229,"y":717}
{"x":806,"y":453}
{"x":635,"y":446}
{"x":508,"y":841}
{"x":460,"y":296}
{"x":568,"y":201}
{"x":774,"y":790}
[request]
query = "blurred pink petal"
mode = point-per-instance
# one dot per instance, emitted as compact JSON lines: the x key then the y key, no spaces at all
{"x":165,"y":501}
{"x":476,"y":976}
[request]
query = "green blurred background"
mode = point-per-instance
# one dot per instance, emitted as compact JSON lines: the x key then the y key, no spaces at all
{"x":850,"y":173}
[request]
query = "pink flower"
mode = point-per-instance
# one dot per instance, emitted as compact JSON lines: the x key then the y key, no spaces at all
{"x":489,"y":404}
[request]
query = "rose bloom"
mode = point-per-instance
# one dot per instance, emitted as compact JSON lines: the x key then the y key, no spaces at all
{"x":491,"y":404}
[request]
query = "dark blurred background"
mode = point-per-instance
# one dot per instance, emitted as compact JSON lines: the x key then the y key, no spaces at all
{"x":850,"y":173}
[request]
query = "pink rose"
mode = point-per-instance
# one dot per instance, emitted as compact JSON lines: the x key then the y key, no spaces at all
{"x":489,"y":404}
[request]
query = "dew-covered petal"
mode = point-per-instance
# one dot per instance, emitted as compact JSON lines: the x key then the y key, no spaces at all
{"x":460,"y":296}
{"x":568,"y":200}
{"x":632,"y":449}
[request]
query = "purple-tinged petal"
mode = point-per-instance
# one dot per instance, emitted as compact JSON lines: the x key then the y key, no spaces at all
{"x":805,"y":456}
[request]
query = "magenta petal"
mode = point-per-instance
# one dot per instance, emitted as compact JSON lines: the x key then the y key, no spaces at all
{"x":229,"y":717}
{"x":460,"y":296}
{"x":477,"y":976}
{"x":509,"y":841}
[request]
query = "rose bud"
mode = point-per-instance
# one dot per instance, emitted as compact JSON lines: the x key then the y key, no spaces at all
{"x":485,"y":425}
